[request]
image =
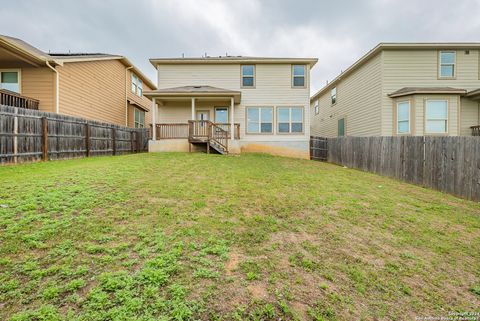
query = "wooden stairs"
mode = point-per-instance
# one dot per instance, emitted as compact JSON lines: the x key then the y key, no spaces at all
{"x":205,"y":132}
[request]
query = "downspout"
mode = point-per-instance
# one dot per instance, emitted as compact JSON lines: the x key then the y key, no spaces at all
{"x":57,"y":86}
{"x":126,"y":95}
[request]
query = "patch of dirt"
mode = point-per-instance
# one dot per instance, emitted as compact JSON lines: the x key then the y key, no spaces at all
{"x":300,"y":309}
{"x":232,"y":263}
{"x":258,"y":290}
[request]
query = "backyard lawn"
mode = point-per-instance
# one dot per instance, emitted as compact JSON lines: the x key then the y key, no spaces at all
{"x":195,"y":236}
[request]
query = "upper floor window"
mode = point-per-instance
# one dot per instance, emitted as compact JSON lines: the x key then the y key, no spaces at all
{"x":290,"y":119}
{"x":298,"y":75}
{"x":333,"y":95}
{"x":248,"y":76}
{"x":10,"y":80}
{"x":436,"y":116}
{"x":403,"y":117}
{"x":316,"y":107}
{"x":139,"y":118}
{"x":447,"y":64}
{"x":259,"y":120}
{"x":137,"y":85}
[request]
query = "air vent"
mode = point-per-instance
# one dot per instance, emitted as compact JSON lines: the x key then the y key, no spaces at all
{"x":467,"y":52}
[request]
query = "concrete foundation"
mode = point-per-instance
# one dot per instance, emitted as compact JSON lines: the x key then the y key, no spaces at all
{"x":296,"y":149}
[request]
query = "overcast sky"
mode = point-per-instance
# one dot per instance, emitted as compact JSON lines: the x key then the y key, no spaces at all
{"x":336,"y":32}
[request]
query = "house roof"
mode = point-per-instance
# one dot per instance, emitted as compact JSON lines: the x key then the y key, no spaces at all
{"x":41,"y":57}
{"x":474,"y":94}
{"x":194,"y":91}
{"x":426,"y":90}
{"x":393,"y":46}
{"x":232,"y":60}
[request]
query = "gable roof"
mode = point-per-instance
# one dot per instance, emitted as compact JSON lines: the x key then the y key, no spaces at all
{"x":394,"y":46}
{"x":232,"y":60}
{"x":40,"y":57}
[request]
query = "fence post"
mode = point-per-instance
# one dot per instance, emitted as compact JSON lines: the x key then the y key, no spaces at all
{"x":44,"y":138}
{"x":87,"y":139}
{"x":114,"y":141}
{"x":131,"y":142}
{"x":15,"y":136}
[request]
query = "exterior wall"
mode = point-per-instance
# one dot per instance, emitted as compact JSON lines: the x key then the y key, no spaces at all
{"x":142,"y":101}
{"x":273,"y":88}
{"x":94,"y":90}
{"x":469,"y":116}
{"x":358,"y":101}
{"x":419,"y":68}
{"x":39,"y":83}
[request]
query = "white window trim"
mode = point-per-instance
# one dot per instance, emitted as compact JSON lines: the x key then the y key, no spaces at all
{"x":290,"y":122}
{"x":260,"y":121}
{"x":332,"y":96}
{"x":253,"y":76}
{"x":19,"y":73}
{"x":409,"y":118}
{"x":138,"y":84}
{"x":440,"y":64}
{"x":447,"y":120}
{"x":344,"y":126}
{"x":304,"y":76}
{"x":135,"y":122}
{"x":215,"y":113}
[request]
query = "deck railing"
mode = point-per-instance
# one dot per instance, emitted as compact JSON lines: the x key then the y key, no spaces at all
{"x":13,"y":99}
{"x":475,"y":130}
{"x":172,"y":131}
{"x":198,"y":129}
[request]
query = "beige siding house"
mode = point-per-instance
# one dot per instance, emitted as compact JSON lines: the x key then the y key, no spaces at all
{"x":102,"y":87}
{"x":261,"y":104}
{"x":403,"y":89}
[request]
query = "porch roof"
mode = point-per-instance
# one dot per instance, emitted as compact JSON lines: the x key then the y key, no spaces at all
{"x":405,"y":91}
{"x":474,"y":94}
{"x":193,"y":92}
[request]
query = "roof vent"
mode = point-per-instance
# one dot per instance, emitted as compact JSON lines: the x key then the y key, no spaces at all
{"x":197,"y":87}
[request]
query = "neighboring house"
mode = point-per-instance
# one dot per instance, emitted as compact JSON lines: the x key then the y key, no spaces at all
{"x":403,"y":89}
{"x":261,"y":104}
{"x":102,"y":87}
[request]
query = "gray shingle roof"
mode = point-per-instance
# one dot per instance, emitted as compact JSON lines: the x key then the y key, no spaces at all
{"x":426,"y":90}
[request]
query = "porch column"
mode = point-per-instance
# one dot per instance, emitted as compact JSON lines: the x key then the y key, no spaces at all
{"x":232,"y":124}
{"x":193,"y":108}
{"x":154,"y":119}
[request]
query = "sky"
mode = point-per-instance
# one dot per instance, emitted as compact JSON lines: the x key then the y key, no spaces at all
{"x":336,"y":32}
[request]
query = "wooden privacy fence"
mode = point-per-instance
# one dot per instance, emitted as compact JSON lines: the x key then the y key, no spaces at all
{"x":447,"y":164}
{"x":30,"y":135}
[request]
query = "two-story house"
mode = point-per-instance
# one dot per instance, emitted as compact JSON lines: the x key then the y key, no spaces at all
{"x":403,"y":89}
{"x":102,"y":87}
{"x":232,"y":104}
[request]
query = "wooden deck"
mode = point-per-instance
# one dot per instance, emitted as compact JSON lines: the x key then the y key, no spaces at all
{"x":13,"y":99}
{"x":213,"y":135}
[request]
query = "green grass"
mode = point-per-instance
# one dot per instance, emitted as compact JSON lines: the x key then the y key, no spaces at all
{"x":254,"y":237}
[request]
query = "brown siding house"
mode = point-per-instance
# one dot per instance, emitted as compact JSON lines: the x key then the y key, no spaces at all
{"x":102,"y":87}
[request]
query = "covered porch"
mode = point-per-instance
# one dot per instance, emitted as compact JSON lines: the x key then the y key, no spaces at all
{"x":195,"y":118}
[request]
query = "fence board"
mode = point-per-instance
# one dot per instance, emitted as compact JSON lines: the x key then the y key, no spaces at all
{"x":24,"y":135}
{"x":447,"y":164}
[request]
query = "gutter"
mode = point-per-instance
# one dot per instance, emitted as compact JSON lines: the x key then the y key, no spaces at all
{"x":126,"y":94}
{"x":57,"y":86}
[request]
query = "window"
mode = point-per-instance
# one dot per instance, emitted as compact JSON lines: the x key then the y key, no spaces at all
{"x":333,"y":95}
{"x":248,"y":76}
{"x":259,"y":120}
{"x":447,"y":64}
{"x":290,"y":119}
{"x":10,"y":81}
{"x":221,"y":115}
{"x":436,"y":115}
{"x":139,"y":120}
{"x":298,"y":76}
{"x":137,"y":85}
{"x":341,"y":127}
{"x":403,"y":117}
{"x":316,"y":107}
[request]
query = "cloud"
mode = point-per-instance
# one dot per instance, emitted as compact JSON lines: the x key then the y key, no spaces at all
{"x":337,"y":32}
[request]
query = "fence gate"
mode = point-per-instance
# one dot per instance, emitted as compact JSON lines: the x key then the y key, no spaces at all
{"x":318,"y":148}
